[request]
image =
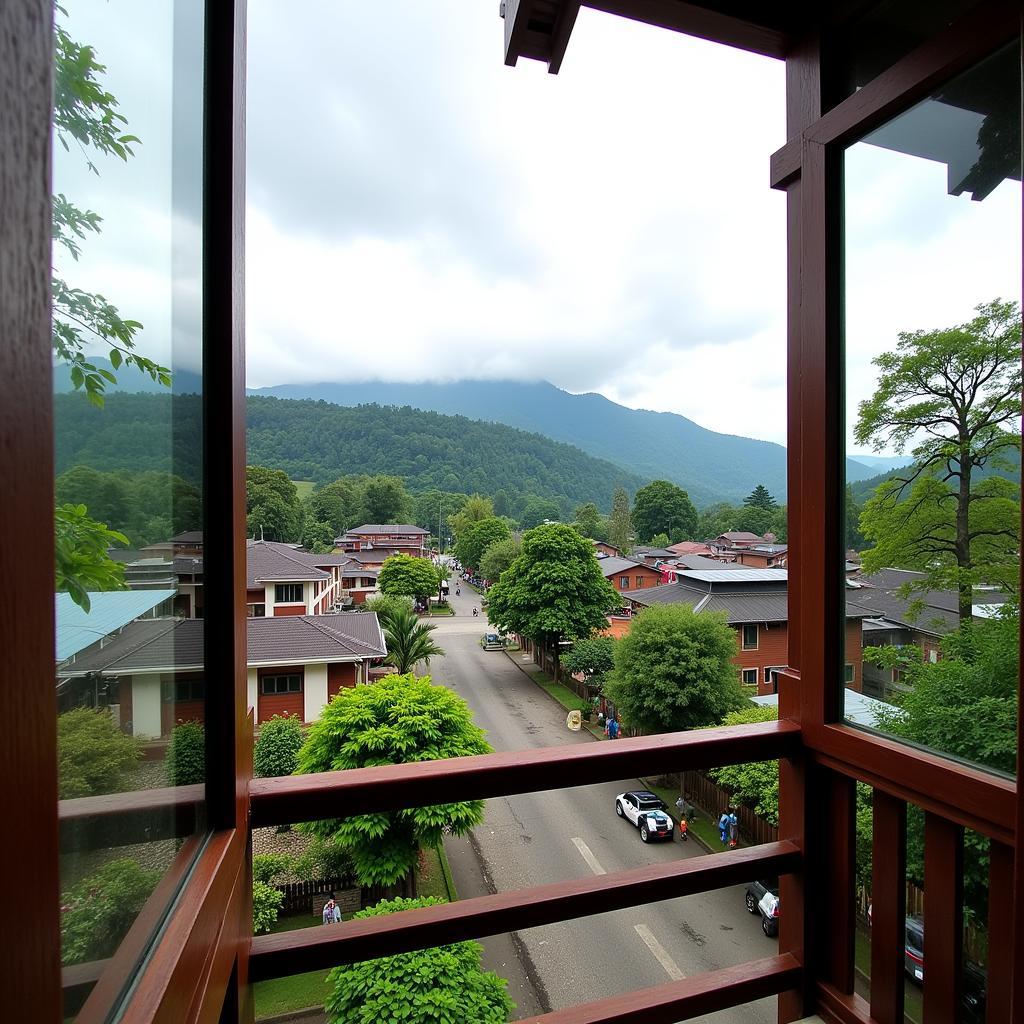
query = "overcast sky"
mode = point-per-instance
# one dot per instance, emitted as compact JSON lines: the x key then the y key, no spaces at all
{"x":416,"y":210}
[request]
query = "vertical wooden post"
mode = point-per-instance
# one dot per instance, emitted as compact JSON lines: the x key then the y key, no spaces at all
{"x":30,"y":966}
{"x":888,"y":912}
{"x":943,"y":919}
{"x":1001,"y":965}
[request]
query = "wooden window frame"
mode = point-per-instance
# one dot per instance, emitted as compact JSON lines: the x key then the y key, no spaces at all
{"x":743,"y":636}
{"x":278,"y":587}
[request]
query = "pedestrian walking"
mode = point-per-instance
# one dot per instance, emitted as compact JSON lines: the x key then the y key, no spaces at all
{"x":734,"y":829}
{"x":612,"y":729}
{"x":332,"y":912}
{"x":723,"y":827}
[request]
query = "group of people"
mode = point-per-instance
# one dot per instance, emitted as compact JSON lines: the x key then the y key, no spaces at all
{"x":611,"y":728}
{"x":729,"y":828}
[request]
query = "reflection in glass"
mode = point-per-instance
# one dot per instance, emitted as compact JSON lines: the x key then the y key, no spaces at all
{"x":933,"y":388}
{"x":130,"y":691}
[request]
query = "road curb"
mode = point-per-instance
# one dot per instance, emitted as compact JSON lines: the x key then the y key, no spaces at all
{"x":554,"y":700}
{"x":446,"y":871}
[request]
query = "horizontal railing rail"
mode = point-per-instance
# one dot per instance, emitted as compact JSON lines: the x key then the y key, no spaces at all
{"x":312,"y":949}
{"x":295,"y":798}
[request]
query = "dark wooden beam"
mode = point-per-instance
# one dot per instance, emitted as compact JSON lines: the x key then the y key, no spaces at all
{"x":888,"y":897}
{"x":943,"y":920}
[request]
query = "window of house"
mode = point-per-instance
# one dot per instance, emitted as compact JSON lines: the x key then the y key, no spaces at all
{"x":256,"y":611}
{"x":639,"y":582}
{"x":750,"y":637}
{"x":290,"y":683}
{"x":623,"y":583}
{"x":181,"y":690}
{"x":932,"y":208}
{"x":849,"y":673}
{"x":750,"y":677}
{"x":288,"y":593}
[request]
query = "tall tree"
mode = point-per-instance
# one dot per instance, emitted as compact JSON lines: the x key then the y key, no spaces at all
{"x":589,"y":521}
{"x":385,"y":500}
{"x":539,"y":510}
{"x":498,"y":557}
{"x":674,"y":670}
{"x":474,"y":509}
{"x":432,"y":510}
{"x":338,"y":503}
{"x":620,"y":522}
{"x":760,"y":498}
{"x":554,"y":590}
{"x":408,"y":640}
{"x":272,"y":507}
{"x":662,"y":507}
{"x":407,"y":576}
{"x":594,"y":657}
{"x":398,"y":720}
{"x":477,"y":538}
{"x":445,"y":983}
{"x":953,"y":398}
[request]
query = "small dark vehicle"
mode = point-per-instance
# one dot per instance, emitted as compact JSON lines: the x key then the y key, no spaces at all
{"x":756,"y":902}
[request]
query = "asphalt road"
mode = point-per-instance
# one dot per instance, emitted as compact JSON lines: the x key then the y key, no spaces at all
{"x":548,"y":837}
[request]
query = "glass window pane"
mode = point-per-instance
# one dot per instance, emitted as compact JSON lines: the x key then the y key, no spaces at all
{"x":932,"y":206}
{"x":130,"y":687}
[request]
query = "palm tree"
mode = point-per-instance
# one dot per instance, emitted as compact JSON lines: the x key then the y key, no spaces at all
{"x":408,"y":640}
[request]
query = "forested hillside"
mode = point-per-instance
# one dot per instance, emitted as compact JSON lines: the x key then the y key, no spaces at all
{"x":320,"y":441}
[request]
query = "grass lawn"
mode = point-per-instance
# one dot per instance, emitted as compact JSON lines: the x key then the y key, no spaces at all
{"x":304,"y":487}
{"x":913,"y":1009}
{"x":703,"y":826}
{"x":432,"y":880}
{"x":300,"y":990}
{"x":566,"y":697}
{"x":440,"y":609}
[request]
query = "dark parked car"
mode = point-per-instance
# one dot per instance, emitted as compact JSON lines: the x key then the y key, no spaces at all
{"x":767,"y":908}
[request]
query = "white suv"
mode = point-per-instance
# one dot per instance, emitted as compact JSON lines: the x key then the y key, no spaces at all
{"x":648,"y":812}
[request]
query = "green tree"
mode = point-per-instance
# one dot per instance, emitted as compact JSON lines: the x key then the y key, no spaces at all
{"x":593,"y":656}
{"x":756,"y":783}
{"x":660,"y":540}
{"x":409,"y":641}
{"x":539,"y":510}
{"x":674,"y":670}
{"x":754,"y":519}
{"x":715,"y":520}
{"x":476,"y":538}
{"x":498,"y":557}
{"x":854,"y":538}
{"x":953,"y":397}
{"x":268,"y":866}
{"x":384,"y":605}
{"x":475,"y":509}
{"x":589,"y":521}
{"x":385,"y":500}
{"x":272,"y":507}
{"x":408,"y":576}
{"x":93,"y":755}
{"x":185,"y":763}
{"x":97,"y":912}
{"x":554,"y":590}
{"x":662,"y":507}
{"x":266,"y":904}
{"x":277,"y":748}
{"x":400,"y":719}
{"x":428,"y":505}
{"x":82,"y":562}
{"x":620,"y":522}
{"x":446,"y":983}
{"x":339,"y":503}
{"x":760,"y":498}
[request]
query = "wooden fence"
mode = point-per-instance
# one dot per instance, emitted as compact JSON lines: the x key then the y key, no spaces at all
{"x":703,"y":791}
{"x":302,"y":896}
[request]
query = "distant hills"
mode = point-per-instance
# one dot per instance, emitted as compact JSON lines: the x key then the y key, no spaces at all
{"x":710,"y":466}
{"x":321,"y":441}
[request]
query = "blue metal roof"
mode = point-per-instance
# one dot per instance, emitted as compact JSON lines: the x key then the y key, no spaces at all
{"x":78,"y":629}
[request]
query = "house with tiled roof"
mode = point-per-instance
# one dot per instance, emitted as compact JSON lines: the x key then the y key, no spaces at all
{"x":627,"y":574}
{"x":384,"y":539}
{"x":152,"y":670}
{"x":755,"y":604}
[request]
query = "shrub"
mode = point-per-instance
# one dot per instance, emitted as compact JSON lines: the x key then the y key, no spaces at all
{"x":428,"y":985}
{"x":267,"y":866}
{"x":98,"y":911}
{"x":185,"y":764}
{"x":277,"y":749}
{"x":94,"y":756}
{"x":323,"y":858}
{"x":266,"y":904}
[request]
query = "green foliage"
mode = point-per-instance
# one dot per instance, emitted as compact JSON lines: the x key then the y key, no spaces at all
{"x":755,"y":784}
{"x":323,"y":858}
{"x":266,"y":903}
{"x":339,"y":503}
{"x":443,"y":984}
{"x":400,"y":719}
{"x":409,"y":641}
{"x":476,"y":538}
{"x":854,"y":539}
{"x":474,"y":509}
{"x":408,"y":576}
{"x":272,"y":508}
{"x":674,"y":670}
{"x":498,"y":557}
{"x":589,"y":521}
{"x":93,"y":755}
{"x":82,"y":562}
{"x":98,"y":911}
{"x":593,"y":656}
{"x":146,"y":507}
{"x":429,"y":504}
{"x":620,"y":522}
{"x":953,"y":398}
{"x":662,"y":507}
{"x":660,"y":540}
{"x":385,"y":500}
{"x":759,"y":497}
{"x":721,"y":518}
{"x":277,"y":748}
{"x":384,"y":605}
{"x":268,"y":866}
{"x":539,"y":510}
{"x":554,"y":590}
{"x":317,"y":535}
{"x":185,"y":763}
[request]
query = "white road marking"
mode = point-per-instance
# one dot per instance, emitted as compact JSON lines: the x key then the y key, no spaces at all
{"x":660,"y":953}
{"x":588,"y":855}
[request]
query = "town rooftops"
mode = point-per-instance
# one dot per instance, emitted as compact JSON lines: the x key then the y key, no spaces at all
{"x":191,"y":537}
{"x":739,"y":574}
{"x":267,"y":561}
{"x":690,"y":547}
{"x":78,"y":629}
{"x":170,"y":645}
{"x":700,"y":562}
{"x":741,"y":537}
{"x":612,"y":565}
{"x":387,"y":529}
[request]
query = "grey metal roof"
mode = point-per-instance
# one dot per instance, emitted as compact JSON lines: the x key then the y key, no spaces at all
{"x":702,"y":562}
{"x":738,"y":607}
{"x":150,"y":645}
{"x":78,"y":629}
{"x":612,"y":565}
{"x":742,"y":574}
{"x":387,"y":528}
